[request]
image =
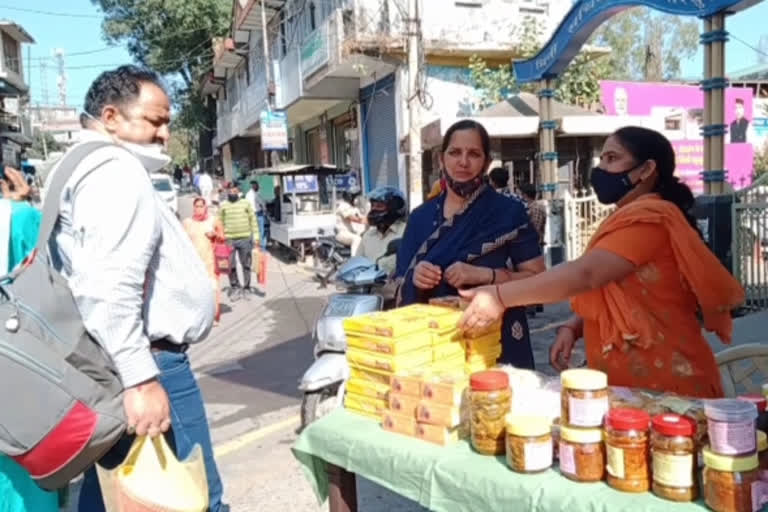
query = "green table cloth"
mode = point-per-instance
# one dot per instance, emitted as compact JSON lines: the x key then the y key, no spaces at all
{"x":453,"y":478}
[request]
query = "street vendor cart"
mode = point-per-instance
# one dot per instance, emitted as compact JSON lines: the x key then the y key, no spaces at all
{"x":305,"y":204}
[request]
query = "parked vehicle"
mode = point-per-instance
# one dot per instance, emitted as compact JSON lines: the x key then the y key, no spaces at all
{"x":329,"y":255}
{"x":324,"y":383}
{"x":165,"y":187}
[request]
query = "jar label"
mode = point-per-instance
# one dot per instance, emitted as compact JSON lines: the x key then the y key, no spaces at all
{"x":732,"y":438}
{"x":615,"y":464}
{"x":587,"y":412}
{"x":763,"y":475}
{"x":567,"y":459}
{"x":759,"y":495}
{"x":673,"y":470}
{"x":538,"y":456}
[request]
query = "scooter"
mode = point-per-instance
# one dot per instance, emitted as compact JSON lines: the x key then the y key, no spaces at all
{"x":324,"y":383}
{"x":329,"y":255}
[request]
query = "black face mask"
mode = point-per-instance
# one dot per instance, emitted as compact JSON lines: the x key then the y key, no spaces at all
{"x":382,"y":219}
{"x":233,"y":197}
{"x":464,"y":189}
{"x":610,"y":187}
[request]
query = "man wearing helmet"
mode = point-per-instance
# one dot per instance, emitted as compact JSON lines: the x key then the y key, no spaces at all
{"x":386,"y":221}
{"x":349,"y":221}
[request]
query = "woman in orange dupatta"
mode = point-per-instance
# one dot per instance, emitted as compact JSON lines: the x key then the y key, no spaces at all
{"x":638,"y":289}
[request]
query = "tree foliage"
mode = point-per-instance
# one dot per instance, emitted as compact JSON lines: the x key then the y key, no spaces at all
{"x":647,"y":45}
{"x":172,"y":37}
{"x":38,"y":149}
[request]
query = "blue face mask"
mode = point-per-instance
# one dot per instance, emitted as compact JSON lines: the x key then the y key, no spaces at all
{"x":610,"y":187}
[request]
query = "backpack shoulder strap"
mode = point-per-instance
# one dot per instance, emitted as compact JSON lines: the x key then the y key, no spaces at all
{"x":61,"y":174}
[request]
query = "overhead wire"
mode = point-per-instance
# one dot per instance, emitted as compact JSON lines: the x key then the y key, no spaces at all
{"x":49,"y":13}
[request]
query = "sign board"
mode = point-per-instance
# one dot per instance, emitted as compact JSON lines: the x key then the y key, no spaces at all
{"x":314,"y":51}
{"x":586,"y":15}
{"x":300,"y":184}
{"x":274,"y":130}
{"x":761,"y":126}
{"x":346,"y":181}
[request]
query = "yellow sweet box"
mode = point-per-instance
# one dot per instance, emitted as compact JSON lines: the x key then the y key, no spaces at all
{"x":488,"y":359}
{"x":370,"y":375}
{"x":436,"y":414}
{"x":399,"y":423}
{"x":374,"y":406}
{"x":482,"y":345}
{"x":446,"y":389}
{"x":387,"y":363}
{"x":390,"y":346}
{"x":447,"y":336}
{"x":493,"y":329}
{"x":437,"y":434}
{"x":447,"y":351}
{"x":452,"y":364}
{"x":361,"y":412}
{"x":403,"y":404}
{"x":408,"y":383}
{"x":368,"y":388}
{"x":385,"y":323}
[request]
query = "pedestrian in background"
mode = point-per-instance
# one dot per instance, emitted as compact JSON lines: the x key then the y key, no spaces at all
{"x":204,"y":231}
{"x":205,"y":186}
{"x":260,"y":207}
{"x":122,"y":253}
{"x":499,"y":177}
{"x":240,"y":230}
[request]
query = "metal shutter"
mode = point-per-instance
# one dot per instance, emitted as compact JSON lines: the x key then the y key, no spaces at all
{"x":379,"y":133}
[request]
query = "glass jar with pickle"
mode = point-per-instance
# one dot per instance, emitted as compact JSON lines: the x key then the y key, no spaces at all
{"x":673,"y":455}
{"x":627,"y":450}
{"x":584,"y":398}
{"x":529,"y":443}
{"x":490,"y":399}
{"x":732,"y":483}
{"x":582,"y":454}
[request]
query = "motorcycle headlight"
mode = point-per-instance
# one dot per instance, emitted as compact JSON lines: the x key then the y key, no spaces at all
{"x":330,"y":335}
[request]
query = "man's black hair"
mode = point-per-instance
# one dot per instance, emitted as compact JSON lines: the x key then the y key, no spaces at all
{"x":528,"y":190}
{"x":499,"y":177}
{"x":117,"y":87}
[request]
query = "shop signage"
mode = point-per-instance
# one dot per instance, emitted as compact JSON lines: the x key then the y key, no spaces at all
{"x":300,"y":184}
{"x":586,"y":15}
{"x":274,"y":130}
{"x":346,"y":181}
{"x":761,"y":126}
{"x":314,"y":51}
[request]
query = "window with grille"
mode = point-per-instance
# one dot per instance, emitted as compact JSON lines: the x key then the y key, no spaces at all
{"x":11,"y":53}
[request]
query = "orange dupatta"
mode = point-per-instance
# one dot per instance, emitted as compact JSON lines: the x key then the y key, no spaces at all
{"x":716,"y":291}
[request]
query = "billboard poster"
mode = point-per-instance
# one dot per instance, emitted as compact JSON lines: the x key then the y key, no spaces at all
{"x":677,"y":111}
{"x":274,"y":130}
{"x":301,"y":184}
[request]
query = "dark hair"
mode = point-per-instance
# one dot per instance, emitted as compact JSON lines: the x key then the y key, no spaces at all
{"x":528,"y":190}
{"x":199,"y":200}
{"x":645,"y":144}
{"x":499,"y":177}
{"x":468,"y":124}
{"x":739,"y":101}
{"x":117,"y":87}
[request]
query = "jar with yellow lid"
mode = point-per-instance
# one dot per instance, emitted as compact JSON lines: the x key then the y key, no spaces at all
{"x":762,"y":455}
{"x":731,"y":483}
{"x":673,"y":452}
{"x":529,"y":443}
{"x":584,"y":398}
{"x":582,"y":454}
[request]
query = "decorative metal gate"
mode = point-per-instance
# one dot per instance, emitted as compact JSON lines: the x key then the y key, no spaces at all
{"x":749,"y":244}
{"x":583,"y":215}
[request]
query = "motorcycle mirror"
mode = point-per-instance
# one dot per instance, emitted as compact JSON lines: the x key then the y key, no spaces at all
{"x":393,"y":247}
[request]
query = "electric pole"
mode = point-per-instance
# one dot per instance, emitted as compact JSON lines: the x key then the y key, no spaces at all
{"x":267,"y":75}
{"x":415,"y":184}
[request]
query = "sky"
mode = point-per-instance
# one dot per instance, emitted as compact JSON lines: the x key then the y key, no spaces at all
{"x":80,"y":31}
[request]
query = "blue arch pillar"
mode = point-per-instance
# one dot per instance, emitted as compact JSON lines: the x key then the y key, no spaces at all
{"x":547,"y":181}
{"x":713,"y":38}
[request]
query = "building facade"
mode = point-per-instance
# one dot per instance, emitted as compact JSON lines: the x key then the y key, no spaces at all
{"x":338,"y":71}
{"x":15,"y":129}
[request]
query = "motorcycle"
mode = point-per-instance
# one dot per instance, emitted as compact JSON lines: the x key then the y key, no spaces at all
{"x":324,"y":383}
{"x":329,"y":255}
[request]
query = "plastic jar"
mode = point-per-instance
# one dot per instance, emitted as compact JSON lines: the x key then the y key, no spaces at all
{"x":731,"y":484}
{"x":582,"y":455}
{"x":762,"y":455}
{"x":584,"y":398}
{"x":529,"y":443}
{"x":760,"y":402}
{"x":489,"y":400}
{"x":674,"y":457}
{"x":628,"y":450}
{"x":731,"y":426}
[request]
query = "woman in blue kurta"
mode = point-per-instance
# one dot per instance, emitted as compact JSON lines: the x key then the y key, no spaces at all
{"x":470,"y":235}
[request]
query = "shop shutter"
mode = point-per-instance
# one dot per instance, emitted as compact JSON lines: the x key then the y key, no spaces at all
{"x":379,"y":133}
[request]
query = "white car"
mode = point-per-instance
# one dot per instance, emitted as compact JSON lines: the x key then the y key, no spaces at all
{"x":164,"y":186}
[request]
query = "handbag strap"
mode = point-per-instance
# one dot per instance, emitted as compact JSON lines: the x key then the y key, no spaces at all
{"x":63,"y":172}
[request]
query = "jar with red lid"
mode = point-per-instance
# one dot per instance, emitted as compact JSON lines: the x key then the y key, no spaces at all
{"x":760,"y":402}
{"x":490,"y":399}
{"x":627,"y":450}
{"x":674,"y":457}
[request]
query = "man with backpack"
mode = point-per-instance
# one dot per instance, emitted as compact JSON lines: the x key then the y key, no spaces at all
{"x":121,"y":250}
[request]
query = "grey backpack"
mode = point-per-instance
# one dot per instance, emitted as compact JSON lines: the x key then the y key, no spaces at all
{"x":61,"y":406}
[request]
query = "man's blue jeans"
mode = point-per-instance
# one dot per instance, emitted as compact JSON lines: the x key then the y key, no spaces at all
{"x":262,"y":230}
{"x":189,"y":427}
